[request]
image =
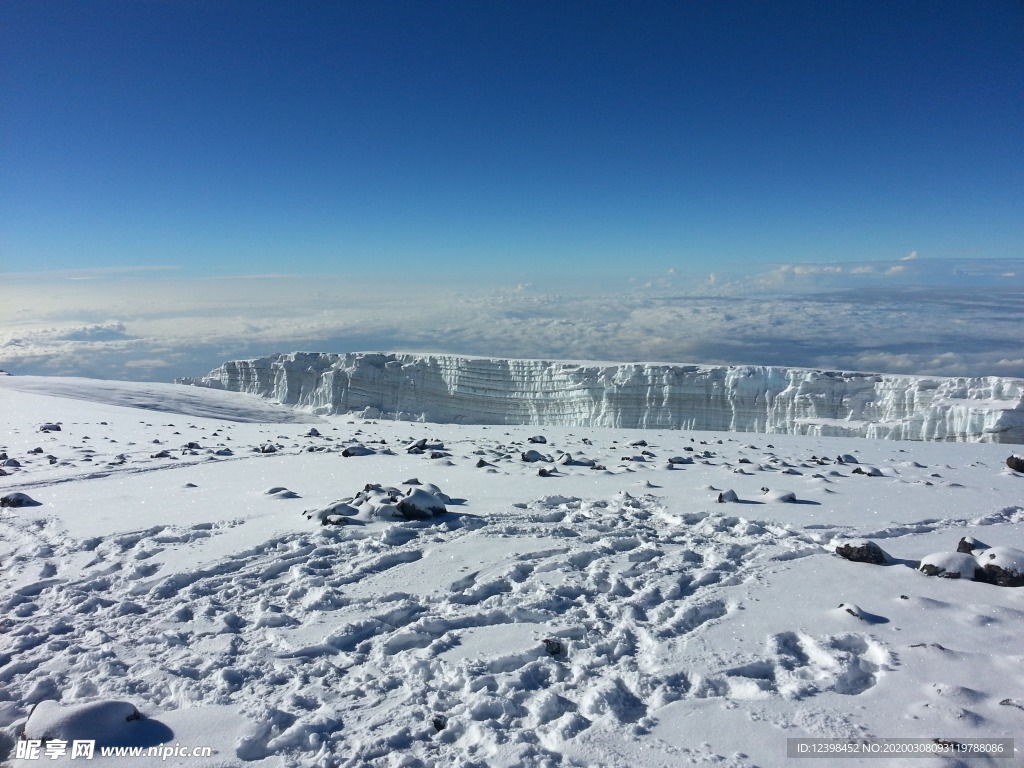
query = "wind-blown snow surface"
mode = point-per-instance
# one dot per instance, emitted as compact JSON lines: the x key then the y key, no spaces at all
{"x":187,"y":581}
{"x":443,"y":388}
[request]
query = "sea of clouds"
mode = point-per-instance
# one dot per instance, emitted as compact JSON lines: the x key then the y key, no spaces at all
{"x":913,"y":316}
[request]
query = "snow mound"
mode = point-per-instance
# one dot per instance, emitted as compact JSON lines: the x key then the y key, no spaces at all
{"x":107,"y":722}
{"x":949,"y":565}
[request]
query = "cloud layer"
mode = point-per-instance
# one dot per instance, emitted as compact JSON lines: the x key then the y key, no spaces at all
{"x":955,"y":320}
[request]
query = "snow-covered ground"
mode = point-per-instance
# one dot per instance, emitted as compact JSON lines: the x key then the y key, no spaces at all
{"x":598,"y":610}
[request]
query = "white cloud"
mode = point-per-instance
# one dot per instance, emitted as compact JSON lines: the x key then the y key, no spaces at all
{"x":158,"y":329}
{"x":147,"y":364}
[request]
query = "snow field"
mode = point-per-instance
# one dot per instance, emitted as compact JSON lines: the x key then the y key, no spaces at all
{"x":615,"y":616}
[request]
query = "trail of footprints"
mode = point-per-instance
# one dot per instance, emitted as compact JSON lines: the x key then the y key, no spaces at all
{"x":619,"y":577}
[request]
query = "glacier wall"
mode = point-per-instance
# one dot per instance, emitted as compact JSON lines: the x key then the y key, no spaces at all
{"x":767,"y":399}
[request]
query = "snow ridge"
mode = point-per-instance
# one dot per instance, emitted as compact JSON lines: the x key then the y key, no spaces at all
{"x":750,"y":398}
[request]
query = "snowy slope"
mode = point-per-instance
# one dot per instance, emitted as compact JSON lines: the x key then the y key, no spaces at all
{"x":168,"y":564}
{"x":441,"y":388}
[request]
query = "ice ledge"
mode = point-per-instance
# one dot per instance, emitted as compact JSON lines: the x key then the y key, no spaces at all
{"x":767,"y":399}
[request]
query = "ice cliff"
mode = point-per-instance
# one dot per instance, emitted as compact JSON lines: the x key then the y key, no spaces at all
{"x":767,"y":399}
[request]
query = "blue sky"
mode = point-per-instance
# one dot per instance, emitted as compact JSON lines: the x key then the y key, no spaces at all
{"x":329,"y":137}
{"x":523,"y":148}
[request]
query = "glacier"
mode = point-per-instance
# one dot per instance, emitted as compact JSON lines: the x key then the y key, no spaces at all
{"x":738,"y":398}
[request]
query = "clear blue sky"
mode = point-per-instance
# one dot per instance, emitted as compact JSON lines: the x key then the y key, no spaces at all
{"x":461,"y":137}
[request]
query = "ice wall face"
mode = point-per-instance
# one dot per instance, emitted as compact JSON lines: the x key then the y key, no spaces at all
{"x":443,"y":388}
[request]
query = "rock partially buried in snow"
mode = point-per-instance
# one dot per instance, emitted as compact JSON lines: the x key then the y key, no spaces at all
{"x":1016,"y":463}
{"x":862,"y":551}
{"x":280,"y":492}
{"x":357,"y":450}
{"x":17,"y":499}
{"x":553,"y":646}
{"x":1002,"y":566}
{"x":949,"y":565}
{"x":868,"y":471}
{"x":420,"y":504}
{"x":852,"y":609}
{"x":333,"y":514}
{"x":436,"y":493}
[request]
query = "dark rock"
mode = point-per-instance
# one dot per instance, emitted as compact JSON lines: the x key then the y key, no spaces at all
{"x":538,"y":439}
{"x":969,"y":544}
{"x":1016,"y":463}
{"x":17,"y":499}
{"x":50,"y":428}
{"x":1001,"y":577}
{"x":553,"y":646}
{"x":267,"y":448}
{"x":160,"y":455}
{"x":532,"y":456}
{"x":863,"y":552}
{"x":440,"y":722}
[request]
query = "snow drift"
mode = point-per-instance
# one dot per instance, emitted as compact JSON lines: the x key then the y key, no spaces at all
{"x":768,"y":399}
